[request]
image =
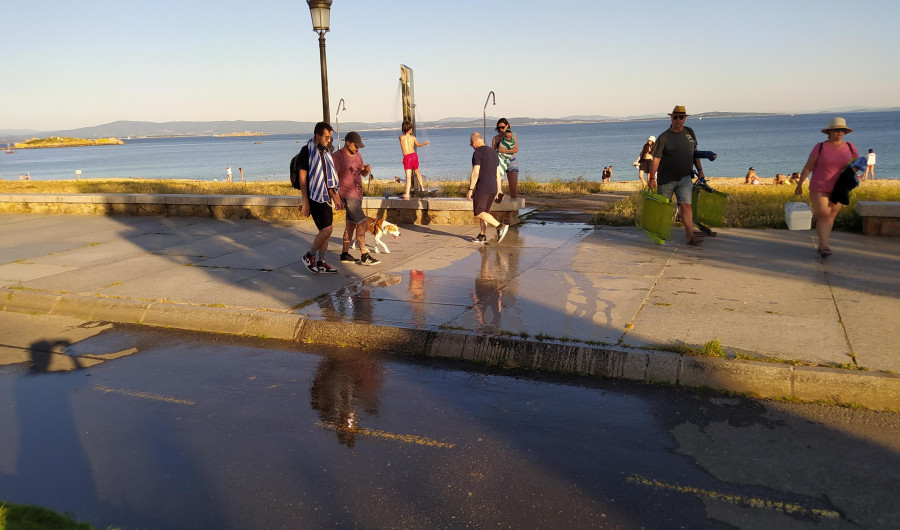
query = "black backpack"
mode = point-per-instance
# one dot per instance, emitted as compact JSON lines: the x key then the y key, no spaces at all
{"x":295,"y":172}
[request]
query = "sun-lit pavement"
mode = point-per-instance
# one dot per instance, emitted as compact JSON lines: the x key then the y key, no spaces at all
{"x":550,"y":296}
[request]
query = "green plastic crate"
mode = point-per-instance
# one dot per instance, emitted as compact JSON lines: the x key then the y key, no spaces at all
{"x":709,"y":208}
{"x":656,"y":216}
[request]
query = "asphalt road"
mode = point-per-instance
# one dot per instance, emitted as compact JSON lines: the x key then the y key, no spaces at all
{"x":148,"y":428}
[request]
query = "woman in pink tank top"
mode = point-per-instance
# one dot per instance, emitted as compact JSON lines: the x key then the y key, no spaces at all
{"x":825,"y":162}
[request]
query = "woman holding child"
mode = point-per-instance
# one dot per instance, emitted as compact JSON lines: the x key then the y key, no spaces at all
{"x":645,"y":160}
{"x":826,"y":162}
{"x":507,"y":145}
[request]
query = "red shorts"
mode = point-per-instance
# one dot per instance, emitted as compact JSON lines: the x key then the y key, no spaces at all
{"x":410,"y":161}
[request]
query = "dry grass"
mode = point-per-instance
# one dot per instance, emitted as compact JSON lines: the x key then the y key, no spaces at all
{"x":762,"y":206}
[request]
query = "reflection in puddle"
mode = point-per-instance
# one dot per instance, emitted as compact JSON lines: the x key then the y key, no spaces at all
{"x":342,"y":388}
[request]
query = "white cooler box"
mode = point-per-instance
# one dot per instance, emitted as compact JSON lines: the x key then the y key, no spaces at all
{"x":798,"y":216}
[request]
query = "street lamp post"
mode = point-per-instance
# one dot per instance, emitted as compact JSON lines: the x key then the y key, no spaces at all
{"x":337,"y":122}
{"x":484,"y":121}
{"x":320,"y":11}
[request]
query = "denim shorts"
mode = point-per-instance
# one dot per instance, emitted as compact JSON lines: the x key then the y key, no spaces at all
{"x":353,"y":211}
{"x":513,"y":166}
{"x":681,"y":188}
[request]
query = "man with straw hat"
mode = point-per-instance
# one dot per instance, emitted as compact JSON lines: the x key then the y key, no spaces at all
{"x":674,"y":159}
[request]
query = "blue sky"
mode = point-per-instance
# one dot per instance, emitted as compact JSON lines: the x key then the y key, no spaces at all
{"x":73,"y":64}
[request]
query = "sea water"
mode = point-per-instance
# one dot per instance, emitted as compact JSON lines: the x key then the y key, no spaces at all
{"x":770,"y":144}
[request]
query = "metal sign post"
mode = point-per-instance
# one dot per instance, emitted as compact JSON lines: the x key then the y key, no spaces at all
{"x":407,"y":96}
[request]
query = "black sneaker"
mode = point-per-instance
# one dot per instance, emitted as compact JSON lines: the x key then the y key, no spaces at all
{"x":310,"y":261}
{"x":501,"y":231}
{"x":345,"y":256}
{"x":367,"y":259}
{"x":325,"y":268}
{"x":480,"y":239}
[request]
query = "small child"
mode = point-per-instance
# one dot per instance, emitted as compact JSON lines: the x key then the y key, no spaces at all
{"x":508,"y":142}
{"x":408,"y":144}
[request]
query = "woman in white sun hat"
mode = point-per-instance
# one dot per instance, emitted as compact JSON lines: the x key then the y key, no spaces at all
{"x":826,"y":161}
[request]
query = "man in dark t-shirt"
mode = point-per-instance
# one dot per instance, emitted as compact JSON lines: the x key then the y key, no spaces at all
{"x":674,"y":158}
{"x":484,"y":187}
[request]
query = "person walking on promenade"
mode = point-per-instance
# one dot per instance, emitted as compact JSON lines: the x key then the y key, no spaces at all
{"x":870,"y":165}
{"x":408,"y":144}
{"x":228,"y":173}
{"x":826,"y":162}
{"x":645,"y":160}
{"x":507,"y":148}
{"x":350,"y":168}
{"x":318,"y":183}
{"x":674,"y":157}
{"x":484,"y":187}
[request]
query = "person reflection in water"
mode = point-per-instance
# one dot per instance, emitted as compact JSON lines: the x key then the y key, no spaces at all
{"x":417,"y":296}
{"x":341,"y":386}
{"x":487,"y":297}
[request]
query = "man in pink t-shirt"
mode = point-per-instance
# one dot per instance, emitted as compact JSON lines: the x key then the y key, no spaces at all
{"x":350,"y":168}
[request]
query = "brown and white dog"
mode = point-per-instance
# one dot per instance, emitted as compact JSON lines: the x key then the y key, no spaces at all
{"x":380,"y":227}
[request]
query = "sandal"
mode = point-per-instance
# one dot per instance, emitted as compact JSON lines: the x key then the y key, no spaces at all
{"x":824,"y":252}
{"x":695,"y":241}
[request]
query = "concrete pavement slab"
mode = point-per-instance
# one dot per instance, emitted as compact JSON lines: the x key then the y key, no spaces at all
{"x":814,"y":339}
{"x":281,"y":290}
{"x":90,"y":255}
{"x":105,"y":274}
{"x":867,"y":318}
{"x":270,"y":255}
{"x":176,"y":285}
{"x":612,"y":251}
{"x":14,"y":273}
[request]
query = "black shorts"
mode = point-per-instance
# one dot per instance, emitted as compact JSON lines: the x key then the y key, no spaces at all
{"x":481,"y":203}
{"x":321,"y":213}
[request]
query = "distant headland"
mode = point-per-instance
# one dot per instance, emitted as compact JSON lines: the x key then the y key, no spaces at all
{"x":245,"y":133}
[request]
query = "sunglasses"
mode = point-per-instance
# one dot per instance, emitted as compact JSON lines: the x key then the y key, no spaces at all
{"x":679,"y":117}
{"x":501,"y":126}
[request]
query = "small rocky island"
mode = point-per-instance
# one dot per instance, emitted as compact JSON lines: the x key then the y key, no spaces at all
{"x":64,"y":141}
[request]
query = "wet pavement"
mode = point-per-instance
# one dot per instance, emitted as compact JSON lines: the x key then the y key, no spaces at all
{"x":139,"y":427}
{"x":578,"y":291}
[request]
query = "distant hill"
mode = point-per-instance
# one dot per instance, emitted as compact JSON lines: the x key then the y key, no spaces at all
{"x":143,"y":129}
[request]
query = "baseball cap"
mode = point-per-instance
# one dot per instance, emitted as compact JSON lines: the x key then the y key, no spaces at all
{"x":353,"y":137}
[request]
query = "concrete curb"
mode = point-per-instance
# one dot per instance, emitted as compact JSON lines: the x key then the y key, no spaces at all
{"x":874,"y":390}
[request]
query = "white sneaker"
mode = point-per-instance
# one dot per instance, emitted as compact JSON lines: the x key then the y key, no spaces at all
{"x":501,"y":231}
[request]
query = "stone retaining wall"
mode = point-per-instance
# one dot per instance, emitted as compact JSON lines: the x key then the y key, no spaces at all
{"x":424,"y":211}
{"x":880,"y":218}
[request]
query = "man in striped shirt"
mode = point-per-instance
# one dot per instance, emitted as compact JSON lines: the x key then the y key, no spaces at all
{"x":318,"y":186}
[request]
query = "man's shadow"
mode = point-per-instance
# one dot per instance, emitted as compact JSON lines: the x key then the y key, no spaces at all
{"x":52,"y":468}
